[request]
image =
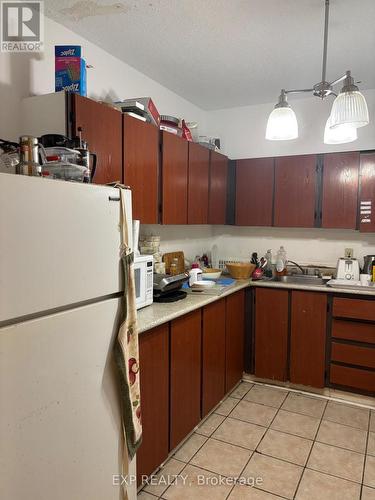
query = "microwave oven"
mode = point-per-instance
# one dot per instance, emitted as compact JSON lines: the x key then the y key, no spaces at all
{"x":144,"y":280}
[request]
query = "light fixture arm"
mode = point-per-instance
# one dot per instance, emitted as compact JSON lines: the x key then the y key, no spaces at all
{"x":342,"y":78}
{"x":325,"y":44}
{"x":297,"y":91}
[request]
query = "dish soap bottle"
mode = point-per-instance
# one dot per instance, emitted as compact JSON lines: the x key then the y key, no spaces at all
{"x":268,"y":271}
{"x":281,"y":261}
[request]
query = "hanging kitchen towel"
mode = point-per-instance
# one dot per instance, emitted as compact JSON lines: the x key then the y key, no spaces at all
{"x":126,"y":350}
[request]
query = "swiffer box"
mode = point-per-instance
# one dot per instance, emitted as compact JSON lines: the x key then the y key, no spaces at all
{"x":70,"y":69}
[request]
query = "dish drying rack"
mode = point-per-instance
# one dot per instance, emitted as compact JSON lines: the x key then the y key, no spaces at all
{"x":223,"y":262}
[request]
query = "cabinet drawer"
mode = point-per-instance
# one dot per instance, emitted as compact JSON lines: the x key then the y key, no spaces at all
{"x":352,"y":330}
{"x":353,"y":354}
{"x":354,"y":308}
{"x":353,"y":377}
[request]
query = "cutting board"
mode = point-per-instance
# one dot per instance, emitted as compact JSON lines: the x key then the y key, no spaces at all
{"x":168,"y":259}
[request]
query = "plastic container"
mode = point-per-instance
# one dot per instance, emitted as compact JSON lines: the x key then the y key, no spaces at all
{"x":195,"y":274}
{"x":281,"y":261}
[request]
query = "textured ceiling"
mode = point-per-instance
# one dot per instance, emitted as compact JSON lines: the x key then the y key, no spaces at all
{"x":225,"y":53}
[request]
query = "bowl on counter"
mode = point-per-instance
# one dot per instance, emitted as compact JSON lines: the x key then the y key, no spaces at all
{"x":240,"y":270}
{"x":211,"y":274}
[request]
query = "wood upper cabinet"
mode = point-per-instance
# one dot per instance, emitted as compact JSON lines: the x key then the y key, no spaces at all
{"x":174,"y":179}
{"x":234,"y":343}
{"x":185,"y":376}
{"x":295,"y":185}
{"x":340,"y":190}
{"x":308,"y":338}
{"x":102,"y":129}
{"x":140,"y":161}
{"x":154,"y":362}
{"x":254,"y":192}
{"x":217,"y":207}
{"x":271,"y":333}
{"x":199,"y":166}
{"x":367,"y":193}
{"x":213,"y":355}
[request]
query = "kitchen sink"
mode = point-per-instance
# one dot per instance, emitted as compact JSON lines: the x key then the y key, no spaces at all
{"x":302,"y":279}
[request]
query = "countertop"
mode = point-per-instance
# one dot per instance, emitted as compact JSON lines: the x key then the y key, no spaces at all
{"x":159,"y":313}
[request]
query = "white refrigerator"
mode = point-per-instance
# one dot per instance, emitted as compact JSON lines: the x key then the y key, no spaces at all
{"x":60,"y":295}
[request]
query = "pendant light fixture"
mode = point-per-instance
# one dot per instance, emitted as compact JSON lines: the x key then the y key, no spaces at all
{"x":349,"y":110}
{"x":282,"y":124}
{"x":340,"y":134}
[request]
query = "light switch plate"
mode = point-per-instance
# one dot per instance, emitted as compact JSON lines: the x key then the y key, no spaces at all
{"x":349,"y":253}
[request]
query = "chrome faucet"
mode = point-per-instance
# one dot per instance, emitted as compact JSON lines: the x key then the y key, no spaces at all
{"x":303,"y":271}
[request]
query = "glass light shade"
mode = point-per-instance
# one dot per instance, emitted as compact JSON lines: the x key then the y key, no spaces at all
{"x":340,"y":134}
{"x":282,"y":125}
{"x":350,"y":108}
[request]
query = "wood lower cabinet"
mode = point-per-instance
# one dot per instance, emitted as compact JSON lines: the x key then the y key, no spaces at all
{"x":185,"y":376}
{"x":353,"y":378}
{"x":360,"y":309}
{"x":234,"y":345}
{"x":271,"y":333}
{"x":217,"y":205}
{"x":213,"y":355}
{"x":367,"y":193}
{"x":254,"y":192}
{"x":199,"y":166}
{"x":174,"y":179}
{"x":154,"y":363}
{"x":102,"y":129}
{"x":295,"y":185}
{"x":352,"y":346}
{"x":340,"y":190}
{"x":141,"y":167}
{"x":308,"y":338}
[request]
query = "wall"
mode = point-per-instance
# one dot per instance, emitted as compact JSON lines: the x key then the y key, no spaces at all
{"x":22,"y":75}
{"x":242,"y":130}
{"x":192,"y":240}
{"x":305,"y":246}
{"x":321,"y":247}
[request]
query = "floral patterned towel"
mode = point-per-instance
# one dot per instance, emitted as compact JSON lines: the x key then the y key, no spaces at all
{"x":126,"y":351}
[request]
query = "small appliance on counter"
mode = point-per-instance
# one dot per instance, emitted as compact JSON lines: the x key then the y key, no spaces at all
{"x":143,"y":274}
{"x":347,"y":269}
{"x":167,"y":288}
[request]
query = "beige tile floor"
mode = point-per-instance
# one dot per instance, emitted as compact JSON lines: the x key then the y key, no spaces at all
{"x":283,"y":444}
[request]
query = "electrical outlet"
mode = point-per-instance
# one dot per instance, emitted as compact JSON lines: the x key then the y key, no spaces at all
{"x":348,"y":253}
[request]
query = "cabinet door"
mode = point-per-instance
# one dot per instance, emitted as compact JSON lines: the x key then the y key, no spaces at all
{"x":340,"y":190}
{"x":367,"y":193}
{"x":185,"y":376}
{"x":295,"y":182}
{"x":154,"y":363}
{"x":271,"y":333}
{"x":175,"y":179}
{"x":235,"y":332}
{"x":254,"y":192}
{"x":213,"y":355}
{"x":141,"y":158}
{"x":102,"y":129}
{"x":199,"y":165}
{"x":217,"y":208}
{"x":308,"y":338}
